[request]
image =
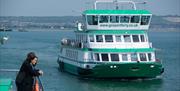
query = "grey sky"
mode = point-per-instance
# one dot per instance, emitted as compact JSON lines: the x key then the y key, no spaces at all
{"x":74,"y":7}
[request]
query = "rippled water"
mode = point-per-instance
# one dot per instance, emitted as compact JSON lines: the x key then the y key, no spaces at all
{"x":46,"y":46}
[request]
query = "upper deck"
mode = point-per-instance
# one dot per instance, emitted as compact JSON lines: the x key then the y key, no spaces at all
{"x":116,"y":19}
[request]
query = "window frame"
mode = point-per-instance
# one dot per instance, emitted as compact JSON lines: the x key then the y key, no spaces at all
{"x":91,"y":36}
{"x":149,"y":58}
{"x":107,"y":55}
{"x":124,"y":17}
{"x":98,"y":40}
{"x":115,"y":18}
{"x":125,"y":39}
{"x":144,"y":21}
{"x":143,"y":37}
{"x":135,"y":16}
{"x":137,"y":36}
{"x":105,"y":37}
{"x":103,"y":20}
{"x":134,"y":56}
{"x":125,"y":58}
{"x":113,"y":57}
{"x":121,"y":40}
{"x":94,"y":20}
{"x":98,"y":57}
{"x":140,"y":57}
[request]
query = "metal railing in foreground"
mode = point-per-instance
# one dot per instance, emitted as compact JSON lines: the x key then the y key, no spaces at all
{"x":15,"y":72}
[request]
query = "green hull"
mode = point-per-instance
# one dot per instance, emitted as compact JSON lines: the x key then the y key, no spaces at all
{"x":116,"y":70}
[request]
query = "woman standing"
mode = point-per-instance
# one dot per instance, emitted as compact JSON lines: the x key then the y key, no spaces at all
{"x":27,"y":73}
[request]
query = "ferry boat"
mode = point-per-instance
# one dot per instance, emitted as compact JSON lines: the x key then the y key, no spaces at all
{"x":111,"y":43}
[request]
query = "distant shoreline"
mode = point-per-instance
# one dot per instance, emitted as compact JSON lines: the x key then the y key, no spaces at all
{"x":164,"y":29}
{"x":24,"y":23}
{"x":73,"y":29}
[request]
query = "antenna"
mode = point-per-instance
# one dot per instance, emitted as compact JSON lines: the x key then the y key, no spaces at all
{"x":116,"y":3}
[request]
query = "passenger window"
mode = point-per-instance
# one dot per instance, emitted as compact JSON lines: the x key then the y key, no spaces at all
{"x":142,"y":56}
{"x":142,"y":38}
{"x":127,"y":38}
{"x":149,"y":57}
{"x":84,"y":19}
{"x":92,"y":20}
{"x":114,"y":19}
{"x":105,"y":57}
{"x":96,"y":56}
{"x":124,"y":57}
{"x":145,"y":20}
{"x":114,"y":57}
{"x":103,"y":19}
{"x":135,"y":38}
{"x":108,"y":38}
{"x":134,"y":57}
{"x":99,"y":38}
{"x":118,"y":38}
{"x":124,"y":19}
{"x":91,"y":38}
{"x":135,"y":19}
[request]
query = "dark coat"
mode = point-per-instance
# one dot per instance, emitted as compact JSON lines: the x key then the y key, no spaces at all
{"x":25,"y":77}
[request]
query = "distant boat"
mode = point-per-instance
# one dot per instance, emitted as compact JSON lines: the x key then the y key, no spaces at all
{"x":5,"y":30}
{"x":3,"y":37}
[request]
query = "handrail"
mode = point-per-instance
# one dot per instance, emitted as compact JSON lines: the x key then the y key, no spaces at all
{"x":73,"y":43}
{"x":9,"y":70}
{"x":113,"y":1}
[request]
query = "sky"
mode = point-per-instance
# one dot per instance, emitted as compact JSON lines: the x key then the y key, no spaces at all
{"x":75,"y":7}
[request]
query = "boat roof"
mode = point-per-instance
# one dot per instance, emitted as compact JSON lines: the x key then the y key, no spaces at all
{"x":116,"y":12}
{"x":113,"y":32}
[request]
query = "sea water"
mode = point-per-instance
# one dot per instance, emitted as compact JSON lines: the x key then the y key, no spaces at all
{"x":46,"y":45}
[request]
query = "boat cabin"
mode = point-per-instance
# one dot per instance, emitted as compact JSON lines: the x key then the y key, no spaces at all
{"x":117,"y":19}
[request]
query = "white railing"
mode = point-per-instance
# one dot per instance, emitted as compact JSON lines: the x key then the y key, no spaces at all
{"x":119,"y":45}
{"x":115,"y":2}
{"x":73,"y":43}
{"x":9,"y":70}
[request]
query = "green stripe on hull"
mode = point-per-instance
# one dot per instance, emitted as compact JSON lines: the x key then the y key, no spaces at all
{"x":119,"y":70}
{"x":117,"y":50}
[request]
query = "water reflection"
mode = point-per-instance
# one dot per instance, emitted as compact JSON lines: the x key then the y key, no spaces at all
{"x":122,"y":84}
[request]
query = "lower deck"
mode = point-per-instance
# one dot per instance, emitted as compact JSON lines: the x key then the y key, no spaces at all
{"x":110,"y":63}
{"x":115,"y":70}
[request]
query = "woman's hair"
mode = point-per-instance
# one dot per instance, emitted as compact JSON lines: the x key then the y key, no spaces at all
{"x":31,"y":56}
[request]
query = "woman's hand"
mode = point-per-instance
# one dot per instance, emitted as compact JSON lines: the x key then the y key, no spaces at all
{"x":40,"y":72}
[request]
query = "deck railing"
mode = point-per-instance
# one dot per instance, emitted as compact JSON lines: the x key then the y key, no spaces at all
{"x":9,"y":74}
{"x":73,"y":43}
